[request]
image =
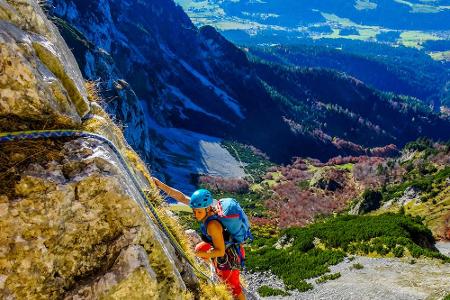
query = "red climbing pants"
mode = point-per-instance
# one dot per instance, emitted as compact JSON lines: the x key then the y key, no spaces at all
{"x":229,"y":277}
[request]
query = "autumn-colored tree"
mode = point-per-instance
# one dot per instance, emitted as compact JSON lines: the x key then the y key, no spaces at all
{"x":231,"y":185}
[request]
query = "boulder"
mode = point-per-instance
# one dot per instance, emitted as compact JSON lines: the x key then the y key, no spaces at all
{"x":370,"y":200}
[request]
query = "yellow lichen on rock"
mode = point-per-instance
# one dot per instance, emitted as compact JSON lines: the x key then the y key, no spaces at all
{"x":24,"y":93}
{"x":68,"y":224}
{"x":139,"y":283}
{"x":50,"y":59}
{"x":39,"y":79}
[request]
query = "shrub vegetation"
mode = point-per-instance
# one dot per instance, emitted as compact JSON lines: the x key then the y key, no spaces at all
{"x":424,"y":183}
{"x":266,"y":291}
{"x":295,"y":257}
{"x":327,"y":277}
{"x":357,"y":266}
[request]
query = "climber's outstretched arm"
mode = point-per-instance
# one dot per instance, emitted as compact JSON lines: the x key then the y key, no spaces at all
{"x":171,"y":192}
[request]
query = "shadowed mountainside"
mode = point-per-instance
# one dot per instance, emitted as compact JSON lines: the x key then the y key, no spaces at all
{"x":186,"y":77}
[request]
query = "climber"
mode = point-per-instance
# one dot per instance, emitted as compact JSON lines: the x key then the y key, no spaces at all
{"x":226,"y":260}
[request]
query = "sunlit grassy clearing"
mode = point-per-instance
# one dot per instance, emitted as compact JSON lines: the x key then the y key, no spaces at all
{"x":338,"y":23}
{"x":423,"y":8}
{"x":348,"y":167}
{"x":435,"y":212}
{"x":365,"y":4}
{"x":408,"y":38}
{"x":413,"y":38}
{"x":440,"y":55}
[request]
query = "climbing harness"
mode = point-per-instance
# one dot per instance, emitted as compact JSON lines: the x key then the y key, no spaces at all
{"x":39,"y":134}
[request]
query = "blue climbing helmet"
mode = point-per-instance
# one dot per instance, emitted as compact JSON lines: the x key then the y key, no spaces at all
{"x":200,"y":199}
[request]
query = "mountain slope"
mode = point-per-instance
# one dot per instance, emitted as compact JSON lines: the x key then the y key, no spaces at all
{"x":350,"y":108}
{"x":400,"y":51}
{"x":180,"y":77}
{"x":151,"y":80}
{"x":304,"y":225}
{"x":399,"y":70}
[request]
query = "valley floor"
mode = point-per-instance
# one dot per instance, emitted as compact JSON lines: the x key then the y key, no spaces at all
{"x":380,"y":278}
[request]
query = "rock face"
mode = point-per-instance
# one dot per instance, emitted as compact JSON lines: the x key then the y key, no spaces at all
{"x":411,"y":194}
{"x":73,"y":227}
{"x":73,"y":222}
{"x":40,"y":80}
{"x":151,"y":66}
{"x":98,"y":65}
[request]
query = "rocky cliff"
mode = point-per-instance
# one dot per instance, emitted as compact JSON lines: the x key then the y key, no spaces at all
{"x":149,"y":63}
{"x":73,"y":223}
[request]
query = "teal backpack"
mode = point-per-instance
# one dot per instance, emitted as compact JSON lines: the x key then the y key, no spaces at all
{"x":234,"y":221}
